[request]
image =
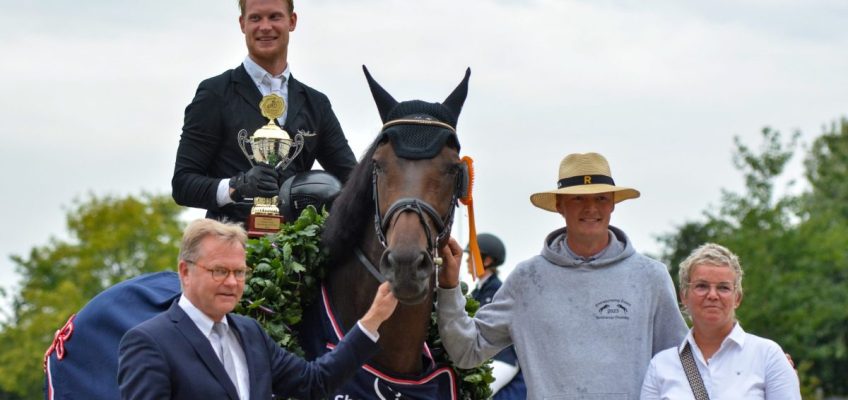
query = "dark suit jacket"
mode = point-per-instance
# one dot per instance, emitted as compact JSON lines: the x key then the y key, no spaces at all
{"x":228,"y":103}
{"x":167,"y":357}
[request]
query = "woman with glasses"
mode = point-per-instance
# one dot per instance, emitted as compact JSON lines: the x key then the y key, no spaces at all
{"x":717,"y":359}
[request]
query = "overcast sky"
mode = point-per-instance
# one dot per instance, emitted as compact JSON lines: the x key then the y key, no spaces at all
{"x":93,"y":94}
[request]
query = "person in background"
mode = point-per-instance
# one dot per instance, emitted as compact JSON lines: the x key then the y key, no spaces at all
{"x":199,"y":349}
{"x":725,"y":362}
{"x":587,"y":314}
{"x":509,"y":382}
{"x":210,"y":171}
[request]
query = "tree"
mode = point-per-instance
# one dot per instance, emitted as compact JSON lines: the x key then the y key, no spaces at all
{"x":825,"y":225}
{"x":792,"y":249}
{"x":827,"y":172}
{"x":111,"y":239}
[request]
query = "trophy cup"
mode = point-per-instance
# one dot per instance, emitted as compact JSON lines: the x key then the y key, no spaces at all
{"x":269,"y":144}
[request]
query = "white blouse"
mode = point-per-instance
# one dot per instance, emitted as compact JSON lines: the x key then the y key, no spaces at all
{"x":744,"y":367}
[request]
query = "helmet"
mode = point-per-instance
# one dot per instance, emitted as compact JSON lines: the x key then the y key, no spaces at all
{"x":316,"y":188}
{"x":491,"y":246}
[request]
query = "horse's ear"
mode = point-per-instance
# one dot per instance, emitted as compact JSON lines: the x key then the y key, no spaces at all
{"x":385,"y":101}
{"x":456,"y":99}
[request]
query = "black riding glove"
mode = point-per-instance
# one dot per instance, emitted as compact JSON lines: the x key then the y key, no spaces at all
{"x":259,"y":181}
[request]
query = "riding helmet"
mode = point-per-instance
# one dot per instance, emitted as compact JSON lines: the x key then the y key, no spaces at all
{"x":316,"y":188}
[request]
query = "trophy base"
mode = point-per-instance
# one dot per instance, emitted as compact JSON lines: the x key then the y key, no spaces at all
{"x":261,"y":225}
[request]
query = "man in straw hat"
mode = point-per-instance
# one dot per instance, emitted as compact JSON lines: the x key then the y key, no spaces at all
{"x":587,"y":314}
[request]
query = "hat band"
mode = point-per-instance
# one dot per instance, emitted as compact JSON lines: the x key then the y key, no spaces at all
{"x":585,"y":180}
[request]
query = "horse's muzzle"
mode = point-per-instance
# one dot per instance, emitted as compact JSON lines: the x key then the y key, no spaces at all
{"x":409,"y":274}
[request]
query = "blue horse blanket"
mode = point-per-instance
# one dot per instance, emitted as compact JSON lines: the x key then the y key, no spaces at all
{"x":82,"y":362}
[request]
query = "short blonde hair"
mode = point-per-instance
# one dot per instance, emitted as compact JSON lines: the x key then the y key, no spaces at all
{"x":243,"y":6}
{"x":711,"y":254}
{"x":199,"y":229}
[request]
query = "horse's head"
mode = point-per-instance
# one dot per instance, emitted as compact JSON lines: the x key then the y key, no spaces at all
{"x":417,"y":177}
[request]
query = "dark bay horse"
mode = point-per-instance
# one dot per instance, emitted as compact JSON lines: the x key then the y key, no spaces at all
{"x":393,"y":214}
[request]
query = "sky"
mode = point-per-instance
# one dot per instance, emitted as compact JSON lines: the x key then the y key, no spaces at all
{"x":93,"y":94}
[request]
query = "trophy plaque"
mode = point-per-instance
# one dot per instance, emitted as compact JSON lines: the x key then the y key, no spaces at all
{"x":272,"y":145}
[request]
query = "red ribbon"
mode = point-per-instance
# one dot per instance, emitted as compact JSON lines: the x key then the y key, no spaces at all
{"x":62,"y":335}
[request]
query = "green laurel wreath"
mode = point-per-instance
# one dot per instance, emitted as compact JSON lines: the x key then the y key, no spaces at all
{"x":287,"y":270}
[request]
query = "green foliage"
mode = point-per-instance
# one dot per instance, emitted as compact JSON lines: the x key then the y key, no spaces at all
{"x":110,"y":239}
{"x":287,"y":270}
{"x":792,"y":249}
{"x":827,"y":173}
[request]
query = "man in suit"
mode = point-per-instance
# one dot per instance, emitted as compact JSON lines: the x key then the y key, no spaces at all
{"x":197,"y":349}
{"x":211,"y":172}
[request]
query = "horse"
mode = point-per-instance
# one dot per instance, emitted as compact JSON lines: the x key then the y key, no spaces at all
{"x":393,"y":214}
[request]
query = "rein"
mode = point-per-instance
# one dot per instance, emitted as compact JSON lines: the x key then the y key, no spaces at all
{"x":369,"y":265}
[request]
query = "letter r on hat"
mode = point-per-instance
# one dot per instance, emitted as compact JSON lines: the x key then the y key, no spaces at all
{"x":587,"y":179}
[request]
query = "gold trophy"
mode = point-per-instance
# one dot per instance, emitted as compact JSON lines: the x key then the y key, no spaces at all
{"x":269,"y":144}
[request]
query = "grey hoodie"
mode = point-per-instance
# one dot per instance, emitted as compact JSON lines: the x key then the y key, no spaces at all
{"x":583,"y":328}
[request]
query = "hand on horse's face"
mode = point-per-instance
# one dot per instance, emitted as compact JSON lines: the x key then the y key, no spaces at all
{"x":381,"y":308}
{"x":451,"y":253}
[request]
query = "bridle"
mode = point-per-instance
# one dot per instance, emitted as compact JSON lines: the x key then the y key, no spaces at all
{"x":442,"y":223}
{"x":408,"y":204}
{"x":420,"y":207}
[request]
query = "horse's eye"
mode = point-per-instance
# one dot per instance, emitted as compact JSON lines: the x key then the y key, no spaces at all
{"x":377,"y":167}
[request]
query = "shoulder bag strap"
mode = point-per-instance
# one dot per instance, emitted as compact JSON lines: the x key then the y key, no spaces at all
{"x":692,"y":374}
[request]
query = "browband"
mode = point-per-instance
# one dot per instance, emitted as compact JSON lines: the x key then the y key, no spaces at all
{"x":411,"y":121}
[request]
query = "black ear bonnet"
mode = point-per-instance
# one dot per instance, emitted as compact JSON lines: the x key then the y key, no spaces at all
{"x":418,"y":129}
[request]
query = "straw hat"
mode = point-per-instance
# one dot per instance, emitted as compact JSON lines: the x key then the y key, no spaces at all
{"x":587,"y":173}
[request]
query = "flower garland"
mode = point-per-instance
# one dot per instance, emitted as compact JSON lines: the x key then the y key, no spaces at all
{"x":287,"y":271}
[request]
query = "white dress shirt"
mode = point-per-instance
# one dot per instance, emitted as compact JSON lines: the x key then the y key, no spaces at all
{"x":204,"y":323}
{"x":744,"y":367}
{"x":267,"y":84}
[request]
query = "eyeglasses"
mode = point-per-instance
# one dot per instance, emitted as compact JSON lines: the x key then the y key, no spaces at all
{"x":702,"y":288}
{"x":220,"y":274}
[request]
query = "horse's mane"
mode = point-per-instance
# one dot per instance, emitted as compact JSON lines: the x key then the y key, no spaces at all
{"x":353,"y":210}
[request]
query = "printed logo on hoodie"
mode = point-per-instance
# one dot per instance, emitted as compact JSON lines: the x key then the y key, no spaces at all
{"x":612,"y":309}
